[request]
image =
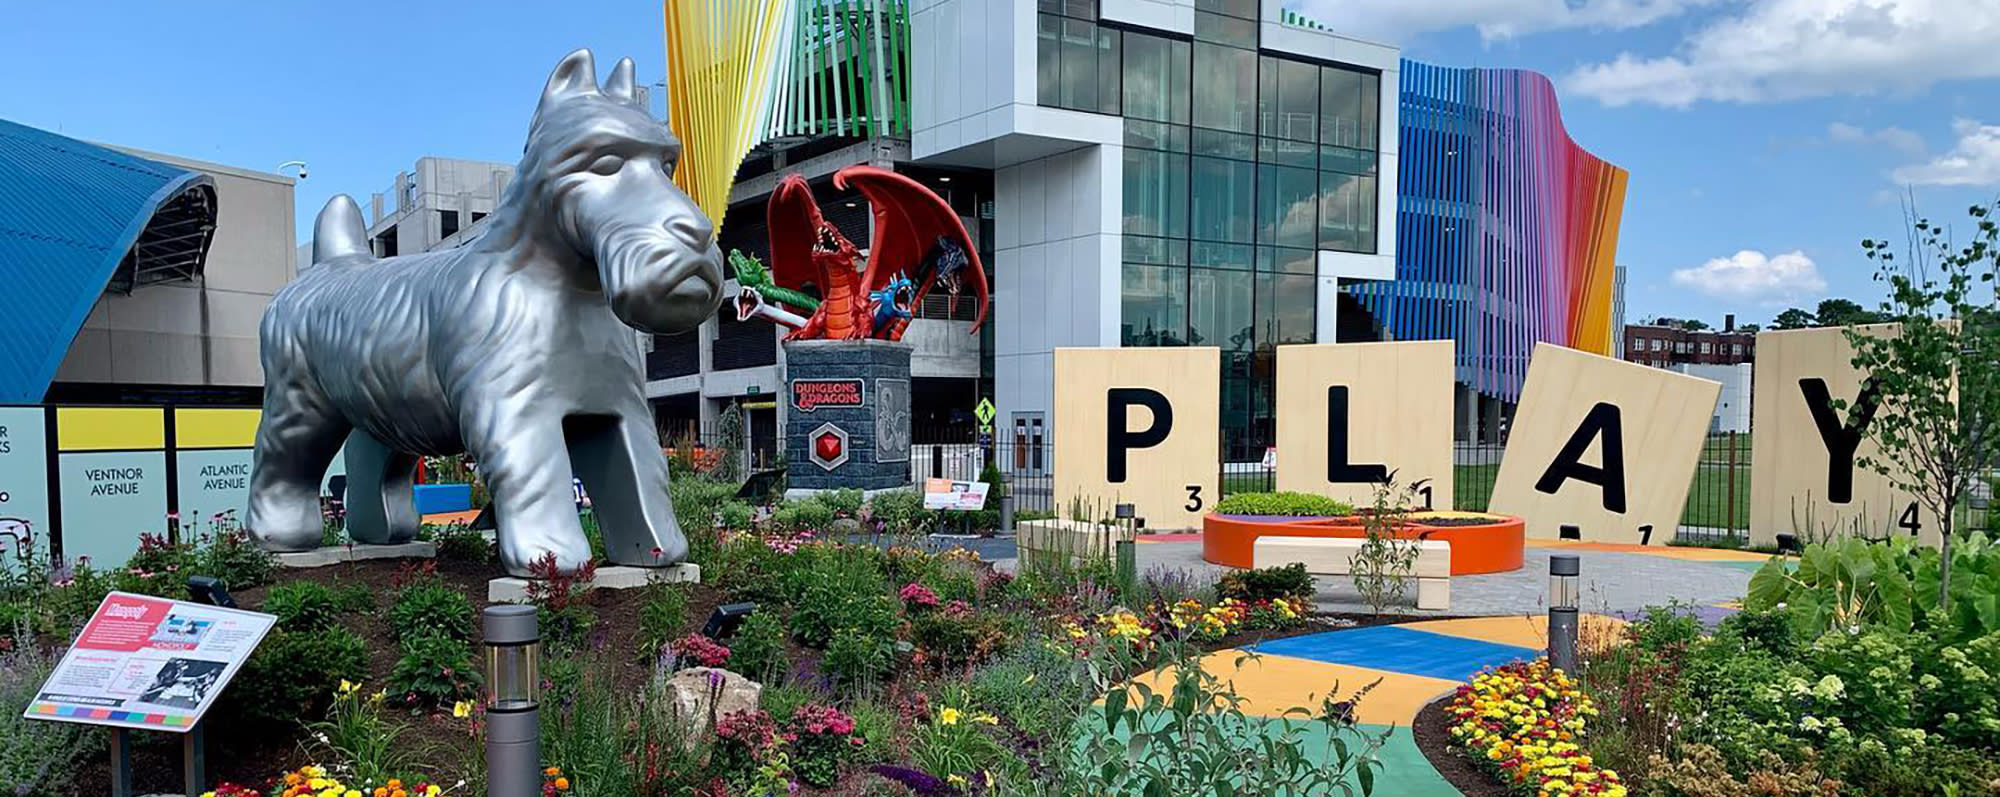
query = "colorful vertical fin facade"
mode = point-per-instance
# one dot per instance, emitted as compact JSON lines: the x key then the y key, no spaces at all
{"x":722,"y":56}
{"x":1507,"y":230}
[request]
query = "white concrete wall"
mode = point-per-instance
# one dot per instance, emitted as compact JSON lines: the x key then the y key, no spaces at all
{"x":1174,"y":16}
{"x":1057,"y":279}
{"x":943,"y":348}
{"x":159,"y":334}
{"x":1732,"y":407}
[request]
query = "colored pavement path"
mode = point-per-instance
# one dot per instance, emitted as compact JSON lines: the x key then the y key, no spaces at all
{"x":1411,"y":665}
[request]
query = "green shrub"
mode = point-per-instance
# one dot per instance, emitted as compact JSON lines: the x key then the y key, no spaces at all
{"x":304,"y":605}
{"x":1267,"y":583}
{"x":697,"y":500}
{"x":900,"y":512}
{"x":1036,"y":688}
{"x":952,"y":641}
{"x":831,"y":601}
{"x":735,"y":516}
{"x":857,"y":660}
{"x":435,"y":670}
{"x":876,"y":725}
{"x":37,"y":757}
{"x":663,"y":614}
{"x":430,"y":606}
{"x":806,"y":514}
{"x":457,"y":542}
{"x":757,"y":651}
{"x":782,"y":700}
{"x":845,"y":502}
{"x":1288,"y":504}
{"x":230,"y":555}
{"x":291,"y":678}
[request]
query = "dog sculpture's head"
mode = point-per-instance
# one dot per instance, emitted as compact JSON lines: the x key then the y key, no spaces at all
{"x":597,"y":175}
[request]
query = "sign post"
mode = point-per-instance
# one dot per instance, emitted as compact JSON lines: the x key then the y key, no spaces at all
{"x":146,"y":663}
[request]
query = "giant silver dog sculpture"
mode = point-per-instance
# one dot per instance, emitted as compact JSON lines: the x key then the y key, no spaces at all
{"x":515,"y":346}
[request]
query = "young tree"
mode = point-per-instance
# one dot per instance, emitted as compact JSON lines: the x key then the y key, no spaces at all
{"x":1937,"y":376}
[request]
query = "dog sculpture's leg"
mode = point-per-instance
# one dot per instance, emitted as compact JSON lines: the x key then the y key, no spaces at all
{"x":297,"y":438}
{"x":618,"y":457}
{"x":527,"y":470}
{"x":381,"y":492}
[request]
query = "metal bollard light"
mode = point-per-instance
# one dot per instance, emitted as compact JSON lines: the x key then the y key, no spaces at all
{"x":513,"y":713}
{"x":1563,"y":571}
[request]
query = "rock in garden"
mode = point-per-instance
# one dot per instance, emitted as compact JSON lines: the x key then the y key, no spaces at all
{"x":702,"y":693}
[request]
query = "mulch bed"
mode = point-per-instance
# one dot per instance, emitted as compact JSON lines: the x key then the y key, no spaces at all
{"x":1430,"y":729}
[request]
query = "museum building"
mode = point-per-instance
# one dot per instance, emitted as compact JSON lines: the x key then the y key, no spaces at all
{"x":1173,"y":172}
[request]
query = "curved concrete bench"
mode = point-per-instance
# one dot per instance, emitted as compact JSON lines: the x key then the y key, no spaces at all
{"x":1334,"y":556}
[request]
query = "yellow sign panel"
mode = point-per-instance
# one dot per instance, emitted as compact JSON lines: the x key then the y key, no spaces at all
{"x":1605,"y":445}
{"x":110,"y":428}
{"x":1804,"y":476}
{"x":215,"y":428}
{"x":1351,"y":413}
{"x":1139,"y":426}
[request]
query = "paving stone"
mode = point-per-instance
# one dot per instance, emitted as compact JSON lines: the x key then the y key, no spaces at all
{"x":341,"y":554}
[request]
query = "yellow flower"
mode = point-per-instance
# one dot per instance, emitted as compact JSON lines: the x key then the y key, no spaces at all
{"x":947,"y":716}
{"x":957,"y":781}
{"x":461,"y":709}
{"x":1028,"y":680}
{"x":986,"y":718}
{"x":347,"y":687}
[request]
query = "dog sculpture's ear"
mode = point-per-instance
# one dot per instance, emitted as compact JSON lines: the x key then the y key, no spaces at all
{"x":619,"y":87}
{"x":575,"y":76}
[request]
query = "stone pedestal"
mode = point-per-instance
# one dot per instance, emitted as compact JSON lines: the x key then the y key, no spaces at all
{"x":514,"y":589}
{"x":848,"y":425}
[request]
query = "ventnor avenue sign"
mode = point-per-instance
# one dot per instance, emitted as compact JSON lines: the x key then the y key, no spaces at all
{"x":812,"y":394}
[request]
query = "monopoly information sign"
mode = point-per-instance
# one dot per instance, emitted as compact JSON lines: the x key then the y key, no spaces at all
{"x":953,"y":494}
{"x":149,"y":663}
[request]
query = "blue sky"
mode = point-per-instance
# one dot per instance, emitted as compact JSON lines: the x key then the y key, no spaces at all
{"x":1765,"y":137}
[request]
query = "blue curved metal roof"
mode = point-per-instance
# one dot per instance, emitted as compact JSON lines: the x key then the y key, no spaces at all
{"x":69,"y":211}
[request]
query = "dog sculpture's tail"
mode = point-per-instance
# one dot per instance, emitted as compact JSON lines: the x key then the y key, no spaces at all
{"x":339,"y":232}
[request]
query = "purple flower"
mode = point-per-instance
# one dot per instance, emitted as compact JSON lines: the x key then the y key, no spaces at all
{"x":916,"y":780}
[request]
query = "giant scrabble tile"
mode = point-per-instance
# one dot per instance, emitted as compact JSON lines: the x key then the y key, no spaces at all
{"x":1349,"y":414}
{"x":1139,"y":426}
{"x":1608,"y":446}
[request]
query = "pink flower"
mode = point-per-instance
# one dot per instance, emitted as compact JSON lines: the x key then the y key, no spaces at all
{"x":702,"y":649}
{"x":915,"y":594}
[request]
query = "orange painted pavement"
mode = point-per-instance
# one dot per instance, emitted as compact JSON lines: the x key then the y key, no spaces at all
{"x":448,"y":518}
{"x":1270,"y":685}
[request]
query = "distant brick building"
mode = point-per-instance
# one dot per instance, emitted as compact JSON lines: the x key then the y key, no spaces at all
{"x":1667,"y":345}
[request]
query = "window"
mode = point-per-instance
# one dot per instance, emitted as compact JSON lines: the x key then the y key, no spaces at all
{"x":1288,"y":99}
{"x":1219,"y":304}
{"x":1656,"y":344}
{"x":1638,"y":344}
{"x":1076,"y":62}
{"x":1156,"y":77}
{"x":1156,"y":191}
{"x":447,"y":223}
{"x":1349,"y":105}
{"x":1222,"y":29}
{"x":1736,"y":349}
{"x":1285,"y":309}
{"x":1225,"y":88}
{"x":1223,"y":198}
{"x":1286,"y":206}
{"x":1704,"y":347}
{"x":1347,"y":212}
{"x":1154,"y":308}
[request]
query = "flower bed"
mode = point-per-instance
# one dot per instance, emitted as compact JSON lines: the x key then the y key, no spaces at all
{"x":1493,"y":546}
{"x":1526,"y":721}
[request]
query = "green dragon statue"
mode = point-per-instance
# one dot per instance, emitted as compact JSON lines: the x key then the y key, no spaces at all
{"x":758,"y":295}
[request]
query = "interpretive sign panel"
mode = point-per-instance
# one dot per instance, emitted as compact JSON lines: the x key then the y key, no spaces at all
{"x":953,"y":494}
{"x":24,"y":477}
{"x":149,"y":663}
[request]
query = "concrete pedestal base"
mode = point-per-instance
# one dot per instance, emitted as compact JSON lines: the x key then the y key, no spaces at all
{"x":514,"y":589}
{"x":342,"y":554}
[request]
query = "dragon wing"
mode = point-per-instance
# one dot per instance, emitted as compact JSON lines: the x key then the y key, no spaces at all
{"x":793,"y":221}
{"x":909,"y":219}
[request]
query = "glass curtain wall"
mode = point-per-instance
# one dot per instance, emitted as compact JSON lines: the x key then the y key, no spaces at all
{"x":1238,"y":167}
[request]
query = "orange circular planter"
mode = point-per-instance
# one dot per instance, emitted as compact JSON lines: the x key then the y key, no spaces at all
{"x":1490,"y":548}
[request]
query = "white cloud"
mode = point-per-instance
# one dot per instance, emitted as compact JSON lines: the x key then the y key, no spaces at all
{"x":1393,"y":21}
{"x":1895,"y":138}
{"x":1975,"y":160}
{"x":1751,"y":276}
{"x":1775,"y":50}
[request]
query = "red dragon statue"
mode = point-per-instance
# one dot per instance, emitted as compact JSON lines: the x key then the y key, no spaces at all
{"x":918,"y":245}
